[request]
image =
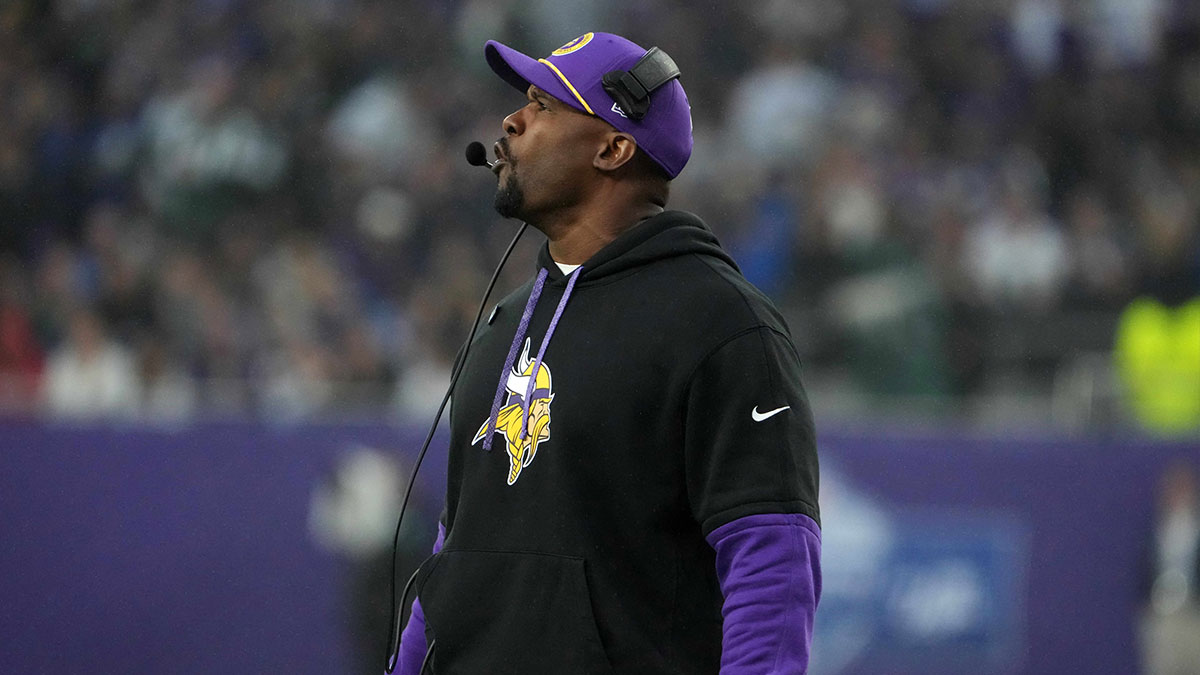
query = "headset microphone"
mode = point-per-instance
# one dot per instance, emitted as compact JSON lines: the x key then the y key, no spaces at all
{"x":477,"y":156}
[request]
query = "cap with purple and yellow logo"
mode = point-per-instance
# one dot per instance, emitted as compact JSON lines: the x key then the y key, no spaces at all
{"x":574,"y":74}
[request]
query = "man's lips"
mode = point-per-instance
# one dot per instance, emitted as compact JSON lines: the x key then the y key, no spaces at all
{"x":501,"y":158}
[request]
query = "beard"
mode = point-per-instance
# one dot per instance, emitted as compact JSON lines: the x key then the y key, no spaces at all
{"x":509,"y":198}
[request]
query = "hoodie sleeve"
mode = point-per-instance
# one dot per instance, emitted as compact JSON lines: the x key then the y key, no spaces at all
{"x":769,"y":568}
{"x":749,"y":445}
{"x":752,"y":477}
{"x":412,"y":641}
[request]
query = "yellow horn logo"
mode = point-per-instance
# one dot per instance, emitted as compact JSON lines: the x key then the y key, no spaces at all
{"x":523,"y":434}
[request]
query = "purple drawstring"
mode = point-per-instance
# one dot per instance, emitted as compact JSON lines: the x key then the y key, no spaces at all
{"x":516,"y":345}
{"x":512,"y":356}
{"x":537,"y":363}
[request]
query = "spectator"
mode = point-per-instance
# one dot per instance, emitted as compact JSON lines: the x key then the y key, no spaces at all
{"x":168,"y":392}
{"x":21,"y":358}
{"x":90,"y":375}
{"x":1016,"y":253}
{"x":1171,"y":620}
{"x":1099,"y":275}
{"x":781,"y":109}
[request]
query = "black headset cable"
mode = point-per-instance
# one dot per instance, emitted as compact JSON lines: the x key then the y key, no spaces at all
{"x":395,"y":628}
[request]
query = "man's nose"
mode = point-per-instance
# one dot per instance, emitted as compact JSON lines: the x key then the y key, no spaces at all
{"x":514,"y":124}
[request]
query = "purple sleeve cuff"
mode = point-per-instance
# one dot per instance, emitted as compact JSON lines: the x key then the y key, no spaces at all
{"x":769,"y":567}
{"x":412,"y":640}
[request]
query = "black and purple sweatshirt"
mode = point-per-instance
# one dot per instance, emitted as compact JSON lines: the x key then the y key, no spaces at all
{"x":632,"y":476}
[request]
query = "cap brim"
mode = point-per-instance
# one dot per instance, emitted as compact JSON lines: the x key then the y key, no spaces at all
{"x":520,"y":71}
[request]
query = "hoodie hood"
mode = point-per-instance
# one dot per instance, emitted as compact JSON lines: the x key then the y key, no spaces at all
{"x":667,"y":235}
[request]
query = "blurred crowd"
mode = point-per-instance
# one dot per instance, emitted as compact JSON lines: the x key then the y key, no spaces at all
{"x":261,"y":207}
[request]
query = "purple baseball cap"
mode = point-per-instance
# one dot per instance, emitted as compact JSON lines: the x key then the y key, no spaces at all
{"x":574,"y":74}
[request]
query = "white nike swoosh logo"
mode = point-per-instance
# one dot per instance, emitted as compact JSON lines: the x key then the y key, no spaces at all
{"x":758,"y":417}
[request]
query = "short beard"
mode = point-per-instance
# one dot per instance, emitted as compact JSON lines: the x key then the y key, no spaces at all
{"x":509,"y":198}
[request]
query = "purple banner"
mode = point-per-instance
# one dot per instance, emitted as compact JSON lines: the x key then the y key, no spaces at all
{"x":1040,"y":542}
{"x":131,"y":550}
{"x":135,"y":550}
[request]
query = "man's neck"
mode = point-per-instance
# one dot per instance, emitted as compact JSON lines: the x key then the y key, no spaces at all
{"x":579,"y":242}
{"x":573,"y":242}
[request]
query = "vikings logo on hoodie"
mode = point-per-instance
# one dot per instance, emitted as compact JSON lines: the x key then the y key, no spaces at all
{"x":523,"y":426}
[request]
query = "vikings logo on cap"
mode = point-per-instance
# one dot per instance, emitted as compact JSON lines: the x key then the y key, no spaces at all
{"x":523,"y":427}
{"x":574,"y":45}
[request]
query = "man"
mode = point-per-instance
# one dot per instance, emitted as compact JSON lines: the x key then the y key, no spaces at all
{"x":633,"y":473}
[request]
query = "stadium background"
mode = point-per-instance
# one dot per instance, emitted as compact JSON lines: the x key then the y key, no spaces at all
{"x":239,"y":247}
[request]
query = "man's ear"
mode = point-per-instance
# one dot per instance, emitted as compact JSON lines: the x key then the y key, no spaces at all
{"x":618,"y":150}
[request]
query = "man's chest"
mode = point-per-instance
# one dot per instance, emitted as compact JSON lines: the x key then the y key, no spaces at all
{"x":596,"y":418}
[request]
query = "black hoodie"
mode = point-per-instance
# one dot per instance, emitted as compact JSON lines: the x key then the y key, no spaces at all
{"x":667,"y":403}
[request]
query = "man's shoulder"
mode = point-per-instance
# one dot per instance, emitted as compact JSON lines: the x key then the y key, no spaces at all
{"x":722,"y":286}
{"x":711,"y":298}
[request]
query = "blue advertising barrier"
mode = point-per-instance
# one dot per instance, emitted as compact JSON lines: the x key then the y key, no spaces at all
{"x":130,"y":550}
{"x":1002,"y":555}
{"x":141,"y":550}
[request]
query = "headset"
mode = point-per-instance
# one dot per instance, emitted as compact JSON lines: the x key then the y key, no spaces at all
{"x":631,"y":88}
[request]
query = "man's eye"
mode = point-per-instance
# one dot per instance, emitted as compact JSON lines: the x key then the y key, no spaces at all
{"x":542,"y":104}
